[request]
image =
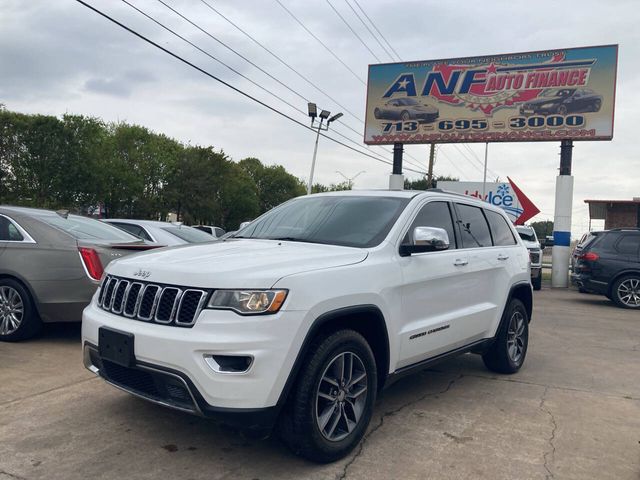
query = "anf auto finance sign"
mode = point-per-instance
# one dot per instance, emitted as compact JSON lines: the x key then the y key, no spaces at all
{"x":507,"y":196}
{"x":535,"y":96}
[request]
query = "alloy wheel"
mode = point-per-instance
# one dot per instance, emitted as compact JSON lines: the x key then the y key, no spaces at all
{"x":515,"y":337}
{"x":629,"y":292}
{"x":341,"y":396}
{"x":11,"y":310}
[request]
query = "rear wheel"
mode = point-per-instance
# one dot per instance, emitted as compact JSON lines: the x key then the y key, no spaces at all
{"x":18,"y":318}
{"x":405,"y":116}
{"x":508,"y":351}
{"x":332,"y":401}
{"x":625,"y":291}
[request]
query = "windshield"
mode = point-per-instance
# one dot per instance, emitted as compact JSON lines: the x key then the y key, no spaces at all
{"x":408,"y":101}
{"x":564,"y":92}
{"x":87,"y":228}
{"x":188,"y":234}
{"x":528,"y":235}
{"x":352,"y":221}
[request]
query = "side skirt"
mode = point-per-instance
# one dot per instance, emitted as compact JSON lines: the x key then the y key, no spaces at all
{"x":475,"y":347}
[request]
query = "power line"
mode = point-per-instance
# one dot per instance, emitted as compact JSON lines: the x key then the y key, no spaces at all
{"x":462,"y":174}
{"x":321,"y":43}
{"x":377,"y":30}
{"x":375,"y":37}
{"x":237,"y":90}
{"x":231,"y":68}
{"x":283,"y":62}
{"x":353,"y":31}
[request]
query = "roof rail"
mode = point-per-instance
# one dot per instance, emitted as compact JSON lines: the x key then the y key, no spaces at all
{"x":621,"y":229}
{"x":449,"y":192}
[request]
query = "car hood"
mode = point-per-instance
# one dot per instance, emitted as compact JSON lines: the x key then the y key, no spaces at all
{"x":531,"y":245}
{"x":424,"y":108}
{"x":240,"y":263}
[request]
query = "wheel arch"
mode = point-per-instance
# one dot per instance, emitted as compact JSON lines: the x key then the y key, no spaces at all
{"x":26,"y":286}
{"x":367,"y":320}
{"x":523,"y":292}
{"x":618,"y":276}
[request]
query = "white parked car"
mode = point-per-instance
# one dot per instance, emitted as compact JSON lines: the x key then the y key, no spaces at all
{"x":160,"y":233}
{"x":217,"y":232}
{"x":530,"y":240}
{"x":306,"y":313}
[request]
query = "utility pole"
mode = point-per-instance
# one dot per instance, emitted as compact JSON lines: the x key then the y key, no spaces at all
{"x":484,"y":177}
{"x":562,"y":219}
{"x":432,"y":157}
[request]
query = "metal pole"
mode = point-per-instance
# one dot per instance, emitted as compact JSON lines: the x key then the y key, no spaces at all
{"x":562,"y":219}
{"x":484,"y":178}
{"x":313,"y":162}
{"x":432,"y":156}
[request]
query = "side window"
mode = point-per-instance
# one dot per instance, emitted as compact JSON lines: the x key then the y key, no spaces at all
{"x":134,"y":230}
{"x":434,"y":214}
{"x":628,"y":244}
{"x":502,"y":233}
{"x":8,"y":231}
{"x":474,"y":228}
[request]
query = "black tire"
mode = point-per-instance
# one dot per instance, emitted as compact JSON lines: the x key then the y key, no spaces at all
{"x":537,"y":282}
{"x":299,"y":424}
{"x":500,"y":358}
{"x":12,"y":292}
{"x":405,"y":116}
{"x":562,"y":110}
{"x":627,"y":284}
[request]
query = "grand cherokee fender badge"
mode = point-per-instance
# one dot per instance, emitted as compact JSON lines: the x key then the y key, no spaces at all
{"x":142,"y":273}
{"x":433,"y":330}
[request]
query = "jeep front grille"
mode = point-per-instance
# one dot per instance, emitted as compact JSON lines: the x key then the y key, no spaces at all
{"x":152,"y":302}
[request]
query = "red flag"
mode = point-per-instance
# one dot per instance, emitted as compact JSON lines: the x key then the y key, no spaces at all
{"x":529,"y":209}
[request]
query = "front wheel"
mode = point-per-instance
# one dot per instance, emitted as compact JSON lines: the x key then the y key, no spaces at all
{"x":625,"y":292}
{"x":509,"y":349}
{"x":332,"y":401}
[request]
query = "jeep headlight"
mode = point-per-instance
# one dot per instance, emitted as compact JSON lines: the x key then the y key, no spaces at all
{"x":247,"y":302}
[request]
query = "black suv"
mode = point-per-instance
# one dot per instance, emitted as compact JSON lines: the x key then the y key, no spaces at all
{"x":608,"y":263}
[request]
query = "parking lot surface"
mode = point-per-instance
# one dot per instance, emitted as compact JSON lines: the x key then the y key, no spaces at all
{"x":572,"y":412}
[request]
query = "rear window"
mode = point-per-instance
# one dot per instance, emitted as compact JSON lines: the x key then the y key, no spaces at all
{"x":86,"y":228}
{"x":188,"y":234}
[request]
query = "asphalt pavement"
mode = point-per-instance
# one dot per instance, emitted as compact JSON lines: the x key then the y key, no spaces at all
{"x":572,"y":412}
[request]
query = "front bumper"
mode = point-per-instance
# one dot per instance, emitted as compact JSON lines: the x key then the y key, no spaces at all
{"x":162,"y":352}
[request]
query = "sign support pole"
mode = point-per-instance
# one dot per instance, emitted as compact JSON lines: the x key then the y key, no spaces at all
{"x":432,"y":157}
{"x":484,"y":178}
{"x":396,"y":179}
{"x":562,"y":219}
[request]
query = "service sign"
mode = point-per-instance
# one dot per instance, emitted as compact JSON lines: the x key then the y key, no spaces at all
{"x":506,"y":195}
{"x":535,"y":96}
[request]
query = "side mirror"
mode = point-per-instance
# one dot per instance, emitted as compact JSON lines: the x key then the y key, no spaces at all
{"x":426,"y":239}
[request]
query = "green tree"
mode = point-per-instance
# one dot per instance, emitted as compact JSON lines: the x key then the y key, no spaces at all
{"x":423,"y":184}
{"x":274,"y":184}
{"x":543,"y":228}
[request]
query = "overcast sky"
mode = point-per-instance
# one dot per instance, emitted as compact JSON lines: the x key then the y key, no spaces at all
{"x":56,"y":57}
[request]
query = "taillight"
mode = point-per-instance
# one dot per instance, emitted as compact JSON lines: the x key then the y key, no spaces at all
{"x":91,"y":262}
{"x":589,"y":256}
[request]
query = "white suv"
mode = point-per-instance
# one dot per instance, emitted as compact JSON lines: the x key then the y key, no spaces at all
{"x":301,"y":318}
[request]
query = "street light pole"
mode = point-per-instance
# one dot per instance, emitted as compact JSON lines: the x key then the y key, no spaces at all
{"x":324,"y":115}
{"x":313,"y":162}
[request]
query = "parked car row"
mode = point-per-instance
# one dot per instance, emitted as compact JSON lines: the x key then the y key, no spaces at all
{"x":51,"y":262}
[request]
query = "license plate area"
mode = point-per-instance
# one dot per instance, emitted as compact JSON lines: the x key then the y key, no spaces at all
{"x":116,"y":346}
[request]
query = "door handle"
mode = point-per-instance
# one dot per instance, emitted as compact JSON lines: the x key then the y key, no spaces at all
{"x":503,"y":257}
{"x":460,"y":262}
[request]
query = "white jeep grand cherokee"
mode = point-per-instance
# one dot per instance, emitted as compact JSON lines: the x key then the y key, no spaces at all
{"x":301,"y":318}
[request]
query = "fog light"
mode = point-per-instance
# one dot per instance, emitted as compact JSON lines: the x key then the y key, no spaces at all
{"x":229,"y":363}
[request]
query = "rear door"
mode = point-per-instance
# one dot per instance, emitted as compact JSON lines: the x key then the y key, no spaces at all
{"x":486,"y":278}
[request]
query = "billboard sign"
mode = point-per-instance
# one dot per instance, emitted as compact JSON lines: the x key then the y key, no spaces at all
{"x":535,"y":96}
{"x":506,"y":195}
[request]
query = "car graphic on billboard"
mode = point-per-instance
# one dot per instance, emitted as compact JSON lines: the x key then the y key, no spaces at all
{"x":563,"y":101}
{"x":406,"y":109}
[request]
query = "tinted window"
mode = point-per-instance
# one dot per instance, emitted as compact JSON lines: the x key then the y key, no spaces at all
{"x":474,"y":228}
{"x":8,"y":231}
{"x":525,"y":234}
{"x":188,"y":234}
{"x":354,"y":221}
{"x":433,"y":214}
{"x":502,"y":234}
{"x":86,"y":228}
{"x":628,"y":244}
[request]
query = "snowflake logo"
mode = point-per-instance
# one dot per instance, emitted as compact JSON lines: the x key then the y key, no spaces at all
{"x":503,"y":190}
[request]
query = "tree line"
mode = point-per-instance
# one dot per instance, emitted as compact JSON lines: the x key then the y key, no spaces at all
{"x":83,"y":163}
